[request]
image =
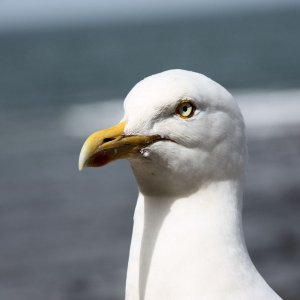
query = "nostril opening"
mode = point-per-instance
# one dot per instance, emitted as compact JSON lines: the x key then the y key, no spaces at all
{"x":108,"y":140}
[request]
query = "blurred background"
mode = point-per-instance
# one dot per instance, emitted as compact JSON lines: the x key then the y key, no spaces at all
{"x":65,"y":68}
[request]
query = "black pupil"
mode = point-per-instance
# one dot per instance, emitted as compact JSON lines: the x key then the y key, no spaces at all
{"x":185,"y":108}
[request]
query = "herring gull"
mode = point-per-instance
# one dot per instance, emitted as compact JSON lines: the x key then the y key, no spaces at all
{"x":184,"y":136}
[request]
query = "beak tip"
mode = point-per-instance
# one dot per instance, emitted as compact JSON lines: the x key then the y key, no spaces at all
{"x":93,"y":142}
{"x":81,"y":160}
{"x":80,"y":166}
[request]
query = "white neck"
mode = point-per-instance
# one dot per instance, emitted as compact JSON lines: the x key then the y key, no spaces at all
{"x":192,"y":248}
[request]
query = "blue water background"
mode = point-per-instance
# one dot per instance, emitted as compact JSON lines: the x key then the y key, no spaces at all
{"x":65,"y":235}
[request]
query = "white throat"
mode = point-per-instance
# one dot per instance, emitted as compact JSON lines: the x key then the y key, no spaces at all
{"x":192,"y":248}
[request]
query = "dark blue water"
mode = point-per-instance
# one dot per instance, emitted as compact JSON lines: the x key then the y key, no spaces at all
{"x":65,"y":235}
{"x":239,"y":51}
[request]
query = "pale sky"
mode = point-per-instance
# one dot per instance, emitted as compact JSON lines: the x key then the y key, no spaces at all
{"x":31,"y":13}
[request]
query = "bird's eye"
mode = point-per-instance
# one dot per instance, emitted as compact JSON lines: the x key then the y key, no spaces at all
{"x":185,"y":109}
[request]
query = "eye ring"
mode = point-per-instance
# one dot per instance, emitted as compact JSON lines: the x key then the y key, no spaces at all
{"x":185,"y":109}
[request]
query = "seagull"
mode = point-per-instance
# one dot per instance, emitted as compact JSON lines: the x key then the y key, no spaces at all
{"x":184,"y":137}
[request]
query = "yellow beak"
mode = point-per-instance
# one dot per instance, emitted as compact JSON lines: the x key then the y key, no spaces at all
{"x":111,"y":144}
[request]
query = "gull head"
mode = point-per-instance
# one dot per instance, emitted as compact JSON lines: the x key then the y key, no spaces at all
{"x":180,"y":130}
